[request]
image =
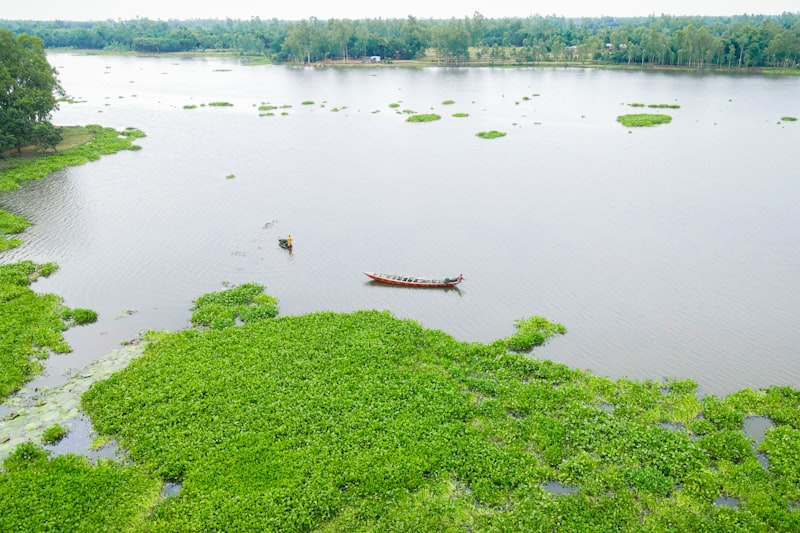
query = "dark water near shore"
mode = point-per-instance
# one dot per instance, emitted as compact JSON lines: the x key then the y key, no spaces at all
{"x":668,"y":251}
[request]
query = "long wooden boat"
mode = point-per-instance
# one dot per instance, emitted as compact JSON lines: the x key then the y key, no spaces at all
{"x":412,"y":281}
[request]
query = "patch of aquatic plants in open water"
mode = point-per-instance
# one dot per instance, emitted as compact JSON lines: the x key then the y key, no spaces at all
{"x":492,"y":134}
{"x":643,"y":120}
{"x":31,"y":324}
{"x":68,"y":493}
{"x":246,"y":303}
{"x":9,"y":225}
{"x":423,"y":117}
{"x":366,"y":422}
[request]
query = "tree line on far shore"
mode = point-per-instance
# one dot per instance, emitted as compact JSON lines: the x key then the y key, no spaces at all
{"x":734,"y":42}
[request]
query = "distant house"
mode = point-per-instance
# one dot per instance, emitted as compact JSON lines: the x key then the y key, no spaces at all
{"x":375,"y":59}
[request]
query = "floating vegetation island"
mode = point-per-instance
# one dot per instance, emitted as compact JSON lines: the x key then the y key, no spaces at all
{"x":643,"y":120}
{"x":492,"y":134}
{"x":362,"y":421}
{"x":424,"y":117}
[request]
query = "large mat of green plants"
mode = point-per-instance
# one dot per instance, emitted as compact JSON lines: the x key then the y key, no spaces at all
{"x":366,"y":422}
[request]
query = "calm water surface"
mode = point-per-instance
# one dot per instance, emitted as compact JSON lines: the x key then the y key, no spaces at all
{"x":667,"y":252}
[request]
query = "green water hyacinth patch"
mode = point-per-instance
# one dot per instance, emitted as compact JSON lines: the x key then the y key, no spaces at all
{"x":68,"y":493}
{"x":53,"y":434}
{"x":424,"y":117}
{"x":31,"y":324}
{"x":366,"y":422}
{"x":493,"y":134}
{"x":245,"y":303}
{"x":643,"y":120}
{"x":532,"y":332}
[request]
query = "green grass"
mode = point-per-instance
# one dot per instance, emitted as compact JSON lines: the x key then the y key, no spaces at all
{"x":643,"y":120}
{"x":789,"y":119}
{"x":424,"y":117}
{"x":493,"y":134}
{"x":31,"y":324}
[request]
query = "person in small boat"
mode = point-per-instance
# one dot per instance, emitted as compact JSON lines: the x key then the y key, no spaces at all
{"x":289,"y":241}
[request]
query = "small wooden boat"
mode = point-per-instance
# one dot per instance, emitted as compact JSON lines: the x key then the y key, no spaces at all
{"x":411,"y":281}
{"x":286,"y":244}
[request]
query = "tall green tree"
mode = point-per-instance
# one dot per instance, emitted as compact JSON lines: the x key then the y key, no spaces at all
{"x":28,"y":89}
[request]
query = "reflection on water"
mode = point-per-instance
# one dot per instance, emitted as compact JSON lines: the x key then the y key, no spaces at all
{"x":667,"y":252}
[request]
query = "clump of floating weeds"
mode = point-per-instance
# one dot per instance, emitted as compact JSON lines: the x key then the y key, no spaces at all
{"x":394,"y":105}
{"x":789,"y":119}
{"x":190,"y":106}
{"x":461,"y":115}
{"x":245,"y":303}
{"x":424,"y":117}
{"x":664,"y":106}
{"x":54,"y":434}
{"x":492,"y":134}
{"x":220,"y":104}
{"x":31,"y":324}
{"x":643,"y":120}
{"x":78,"y":316}
{"x":448,"y":102}
{"x":230,"y":176}
{"x":362,"y":421}
{"x":532,"y":332}
{"x":307,"y":102}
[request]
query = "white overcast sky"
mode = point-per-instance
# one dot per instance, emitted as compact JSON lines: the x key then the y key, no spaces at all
{"x":325,"y":9}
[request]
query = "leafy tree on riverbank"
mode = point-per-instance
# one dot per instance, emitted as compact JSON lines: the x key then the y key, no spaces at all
{"x":28,"y":88}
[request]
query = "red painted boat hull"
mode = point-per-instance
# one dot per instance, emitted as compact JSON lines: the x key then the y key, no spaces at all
{"x":413,"y":281}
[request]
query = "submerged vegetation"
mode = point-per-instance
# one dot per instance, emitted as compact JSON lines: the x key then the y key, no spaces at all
{"x":643,"y":120}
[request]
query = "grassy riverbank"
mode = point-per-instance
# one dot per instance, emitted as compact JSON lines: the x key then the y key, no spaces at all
{"x":80,"y":145}
{"x":365,"y":422}
{"x":31,"y":324}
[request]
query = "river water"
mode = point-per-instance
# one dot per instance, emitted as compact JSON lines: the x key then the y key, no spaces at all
{"x":666,"y":252}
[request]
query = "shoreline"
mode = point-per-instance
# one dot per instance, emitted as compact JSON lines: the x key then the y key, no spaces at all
{"x":256,"y":60}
